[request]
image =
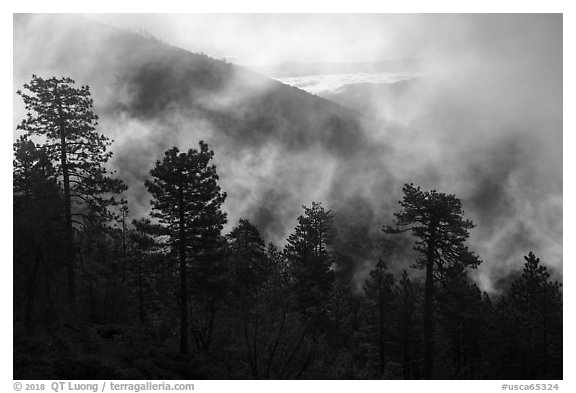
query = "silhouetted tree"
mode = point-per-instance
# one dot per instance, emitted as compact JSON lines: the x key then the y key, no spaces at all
{"x":341,"y":350}
{"x":309,"y":257}
{"x":37,"y":227}
{"x":248,"y":260}
{"x":461,"y":311}
{"x":249,"y":270}
{"x":437,"y":220}
{"x":31,"y":169}
{"x":380,"y":292}
{"x":406,"y":297}
{"x":280,"y":301}
{"x":144,"y":247}
{"x":187,"y":202}
{"x":534,"y":308}
{"x":62,"y":115}
{"x":309,"y":262}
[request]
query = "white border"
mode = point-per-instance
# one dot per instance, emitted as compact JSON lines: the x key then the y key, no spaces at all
{"x":357,"y":6}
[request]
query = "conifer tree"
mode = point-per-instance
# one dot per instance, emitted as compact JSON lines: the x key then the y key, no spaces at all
{"x":187,"y":202}
{"x":535,"y":307}
{"x":460,"y":308}
{"x":144,"y":246}
{"x":248,"y":256}
{"x":37,"y":225}
{"x":380,"y":291}
{"x":437,"y":220}
{"x":249,"y":270}
{"x":62,"y":116}
{"x":406,"y":296}
{"x":31,"y":168}
{"x":310,"y":259}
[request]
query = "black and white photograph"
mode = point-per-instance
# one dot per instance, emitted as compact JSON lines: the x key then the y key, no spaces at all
{"x":288,"y":196}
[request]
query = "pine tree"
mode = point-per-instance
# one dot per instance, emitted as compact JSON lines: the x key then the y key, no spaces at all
{"x":61,"y":115}
{"x":380,"y":292}
{"x":461,"y":312}
{"x":437,"y":220}
{"x":187,"y":202}
{"x":37,"y":226}
{"x":249,"y":270}
{"x":406,"y":297}
{"x":144,"y":246}
{"x":535,"y":307}
{"x":248,"y":258}
{"x":30,"y":167}
{"x":310,"y":259}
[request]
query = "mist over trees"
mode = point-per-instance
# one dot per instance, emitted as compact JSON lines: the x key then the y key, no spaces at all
{"x":186,"y":201}
{"x":436,"y":219}
{"x":487,"y":140}
{"x":62,"y":114}
{"x":170,"y":296}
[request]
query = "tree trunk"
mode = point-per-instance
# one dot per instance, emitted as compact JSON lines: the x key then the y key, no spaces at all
{"x":183,"y":283}
{"x":429,"y":309}
{"x":68,"y":253}
{"x":123,"y":235}
{"x":140,"y":294}
{"x":381,"y":327}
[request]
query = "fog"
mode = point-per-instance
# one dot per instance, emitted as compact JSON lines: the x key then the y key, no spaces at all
{"x":482,"y":119}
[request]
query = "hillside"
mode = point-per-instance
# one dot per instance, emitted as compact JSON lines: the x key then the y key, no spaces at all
{"x":275,"y":145}
{"x":145,"y":78}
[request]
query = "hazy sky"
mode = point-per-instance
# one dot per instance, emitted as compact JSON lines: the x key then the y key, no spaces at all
{"x":260,"y":39}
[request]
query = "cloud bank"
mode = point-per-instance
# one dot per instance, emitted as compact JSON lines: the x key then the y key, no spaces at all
{"x":485,"y":125}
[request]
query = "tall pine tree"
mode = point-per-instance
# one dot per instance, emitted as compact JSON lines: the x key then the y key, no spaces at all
{"x":187,"y":202}
{"x":437,"y":220}
{"x":62,"y":116}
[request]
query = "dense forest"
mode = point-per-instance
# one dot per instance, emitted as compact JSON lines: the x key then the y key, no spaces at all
{"x":171,"y":296}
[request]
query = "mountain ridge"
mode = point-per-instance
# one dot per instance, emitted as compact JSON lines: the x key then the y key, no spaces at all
{"x":295,"y":69}
{"x":156,"y":76}
{"x":276,"y":146}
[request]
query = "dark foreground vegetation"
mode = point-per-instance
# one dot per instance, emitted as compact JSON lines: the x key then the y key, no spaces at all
{"x":172,"y":297}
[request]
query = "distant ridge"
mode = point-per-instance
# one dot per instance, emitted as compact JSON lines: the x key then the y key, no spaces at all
{"x":295,"y":69}
{"x":151,"y":96}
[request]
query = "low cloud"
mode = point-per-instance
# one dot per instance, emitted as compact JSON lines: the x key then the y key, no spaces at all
{"x":331,"y":83}
{"x":485,"y":125}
